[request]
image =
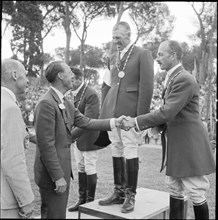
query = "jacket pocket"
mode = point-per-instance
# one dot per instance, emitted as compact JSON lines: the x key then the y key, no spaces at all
{"x":131,"y":89}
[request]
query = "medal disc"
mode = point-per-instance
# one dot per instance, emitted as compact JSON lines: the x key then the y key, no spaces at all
{"x":121,"y":74}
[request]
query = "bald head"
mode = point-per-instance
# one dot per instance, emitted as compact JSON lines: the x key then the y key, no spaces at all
{"x":14,"y":77}
{"x":9,"y":66}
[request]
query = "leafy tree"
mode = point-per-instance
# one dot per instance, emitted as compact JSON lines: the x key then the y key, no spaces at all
{"x":26,"y":21}
{"x":206,"y":13}
{"x":66,"y":10}
{"x":85,"y":13}
{"x":51,"y":19}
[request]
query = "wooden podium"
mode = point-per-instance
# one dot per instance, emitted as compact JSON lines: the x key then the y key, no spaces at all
{"x":149,"y":204}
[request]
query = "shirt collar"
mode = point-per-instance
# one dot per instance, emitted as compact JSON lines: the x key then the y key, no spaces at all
{"x":60,"y":95}
{"x":169,"y":72}
{"x":10,"y":93}
{"x":77,"y":90}
{"x":122,"y":52}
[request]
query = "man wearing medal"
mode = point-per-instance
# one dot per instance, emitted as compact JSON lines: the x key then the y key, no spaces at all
{"x":129,"y":93}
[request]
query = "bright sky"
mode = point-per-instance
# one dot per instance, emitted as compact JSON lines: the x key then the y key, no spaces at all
{"x":100,"y":31}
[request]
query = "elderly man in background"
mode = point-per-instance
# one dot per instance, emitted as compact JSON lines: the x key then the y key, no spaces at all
{"x":16,"y":193}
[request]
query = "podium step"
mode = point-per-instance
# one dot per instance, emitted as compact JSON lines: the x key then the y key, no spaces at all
{"x":148,"y":204}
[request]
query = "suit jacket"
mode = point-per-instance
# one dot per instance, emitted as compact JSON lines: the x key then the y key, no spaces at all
{"x":16,"y":189}
{"x":88,"y":101}
{"x":132,"y":94}
{"x":188,"y":146}
{"x":53,"y":138}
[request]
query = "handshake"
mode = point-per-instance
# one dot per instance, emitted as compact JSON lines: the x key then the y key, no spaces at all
{"x":125,"y":122}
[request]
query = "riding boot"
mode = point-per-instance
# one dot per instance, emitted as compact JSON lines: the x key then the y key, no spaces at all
{"x":201,"y":211}
{"x":177,"y":208}
{"x":91,"y":186}
{"x":132,"y":167}
{"x":82,"y":192}
{"x":119,"y":183}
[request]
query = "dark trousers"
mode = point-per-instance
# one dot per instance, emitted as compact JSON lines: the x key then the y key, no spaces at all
{"x":53,"y":205}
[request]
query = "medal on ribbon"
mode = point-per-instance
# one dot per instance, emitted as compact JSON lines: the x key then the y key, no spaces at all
{"x":121,"y":74}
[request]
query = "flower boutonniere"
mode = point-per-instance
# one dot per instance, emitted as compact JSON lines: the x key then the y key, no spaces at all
{"x":61,"y":106}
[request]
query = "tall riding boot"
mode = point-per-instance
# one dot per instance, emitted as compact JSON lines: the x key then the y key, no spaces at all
{"x":82,"y":192}
{"x":177,"y":208}
{"x":201,"y":211}
{"x":119,"y":181}
{"x":91,"y":186}
{"x":132,"y":167}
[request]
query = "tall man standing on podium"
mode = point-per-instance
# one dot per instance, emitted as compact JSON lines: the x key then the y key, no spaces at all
{"x":129,"y":93}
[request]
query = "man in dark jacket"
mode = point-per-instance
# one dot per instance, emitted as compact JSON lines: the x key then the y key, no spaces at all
{"x":54,"y":118}
{"x":189,"y":155}
{"x":86,"y":152}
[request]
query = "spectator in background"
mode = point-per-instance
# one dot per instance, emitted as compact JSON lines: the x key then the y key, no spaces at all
{"x":85,"y":151}
{"x":16,"y":192}
{"x":147,"y":136}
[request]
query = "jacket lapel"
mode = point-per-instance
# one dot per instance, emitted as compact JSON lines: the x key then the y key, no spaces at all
{"x":78,"y":95}
{"x":176,"y":72}
{"x":64,"y":111}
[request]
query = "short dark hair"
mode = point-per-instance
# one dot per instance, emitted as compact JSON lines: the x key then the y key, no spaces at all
{"x":175,"y":47}
{"x":125,"y":25}
{"x":53,"y":69}
{"x":78,"y":73}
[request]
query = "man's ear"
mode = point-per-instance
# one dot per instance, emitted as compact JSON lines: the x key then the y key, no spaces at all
{"x":14,"y":75}
{"x":60,"y":75}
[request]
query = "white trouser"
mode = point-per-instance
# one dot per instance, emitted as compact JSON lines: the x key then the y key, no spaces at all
{"x":124,"y":143}
{"x":196,"y":187}
{"x":85,"y":160}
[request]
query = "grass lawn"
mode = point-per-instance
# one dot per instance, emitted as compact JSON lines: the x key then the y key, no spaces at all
{"x":149,"y":177}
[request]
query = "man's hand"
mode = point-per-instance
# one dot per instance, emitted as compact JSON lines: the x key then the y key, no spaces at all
{"x":155,"y":131}
{"x":128,"y":124}
{"x":61,"y":185}
{"x":119,"y":121}
{"x":26,"y":211}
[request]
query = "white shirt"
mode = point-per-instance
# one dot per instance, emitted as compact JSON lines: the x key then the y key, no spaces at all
{"x":77,"y":90}
{"x":169,"y":72}
{"x":122,"y":52}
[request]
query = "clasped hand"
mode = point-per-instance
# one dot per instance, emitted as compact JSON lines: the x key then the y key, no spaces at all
{"x":125,"y":122}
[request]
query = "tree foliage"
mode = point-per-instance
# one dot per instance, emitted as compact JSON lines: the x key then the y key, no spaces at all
{"x":26,"y":20}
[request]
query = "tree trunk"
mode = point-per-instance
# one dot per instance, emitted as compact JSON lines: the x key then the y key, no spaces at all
{"x":68,"y":33}
{"x":82,"y":58}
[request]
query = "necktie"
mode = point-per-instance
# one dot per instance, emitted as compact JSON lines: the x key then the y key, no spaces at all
{"x":118,"y":59}
{"x":65,"y":110}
